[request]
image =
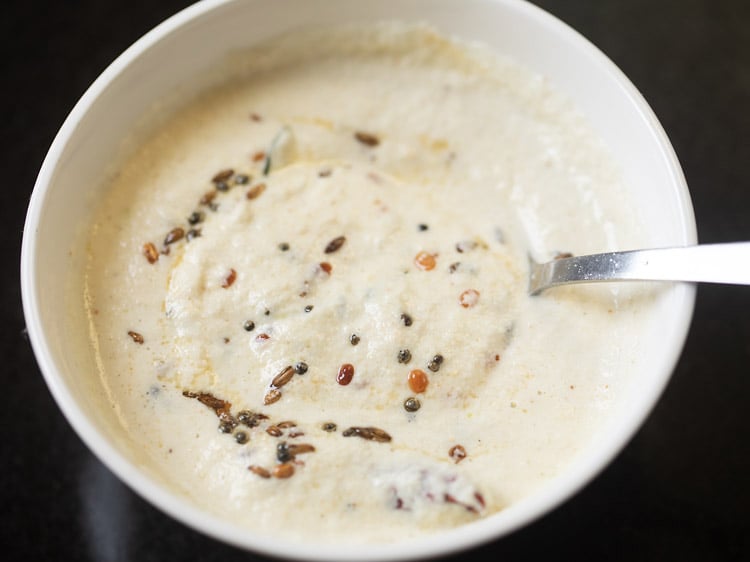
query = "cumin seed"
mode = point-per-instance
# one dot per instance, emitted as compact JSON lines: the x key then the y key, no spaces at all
{"x":335,"y":244}
{"x":283,"y":377}
{"x":369,"y":433}
{"x":222,"y":176}
{"x":274,"y":431}
{"x":259,"y":470}
{"x":300,"y":448}
{"x":367,"y":139}
{"x":256,"y":191}
{"x":137,"y":338}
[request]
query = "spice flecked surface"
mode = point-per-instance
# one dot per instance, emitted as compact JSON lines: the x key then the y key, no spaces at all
{"x":307,"y":289}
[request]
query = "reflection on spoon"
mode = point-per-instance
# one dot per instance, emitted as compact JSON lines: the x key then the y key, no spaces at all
{"x":708,"y":263}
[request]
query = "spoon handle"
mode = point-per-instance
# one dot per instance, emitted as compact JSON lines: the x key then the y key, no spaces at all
{"x":709,"y":263}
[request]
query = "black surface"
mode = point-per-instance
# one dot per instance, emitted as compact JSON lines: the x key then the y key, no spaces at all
{"x":679,"y":491}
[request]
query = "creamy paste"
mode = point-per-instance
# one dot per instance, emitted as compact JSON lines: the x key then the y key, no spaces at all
{"x":307,"y":289}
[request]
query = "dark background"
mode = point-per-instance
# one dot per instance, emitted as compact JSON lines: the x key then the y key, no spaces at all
{"x":678,"y":491}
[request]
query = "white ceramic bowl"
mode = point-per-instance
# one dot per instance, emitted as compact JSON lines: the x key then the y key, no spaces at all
{"x":184,"y":47}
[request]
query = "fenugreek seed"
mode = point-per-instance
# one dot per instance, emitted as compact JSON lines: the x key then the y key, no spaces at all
{"x":301,"y":368}
{"x":192,"y":233}
{"x":285,"y":470}
{"x":174,"y":235}
{"x":151,"y":253}
{"x":229,"y":279}
{"x":417,"y":380}
{"x":224,"y":175}
{"x":284,"y":246}
{"x":241,"y":179}
{"x":404,"y":356}
{"x":256,"y":191}
{"x":272,"y":396}
{"x":259,"y":470}
{"x":367,"y":139}
{"x":457,"y":453}
{"x":406,"y":319}
{"x":329,"y":426}
{"x":354,"y":339}
{"x":345,"y":374}
{"x":240,"y":437}
{"x":249,"y":325}
{"x":335,"y":244}
{"x":195,"y":217}
{"x":135,"y":336}
{"x":283,"y":377}
{"x":325,"y":266}
{"x":308,"y":308}
{"x":425,"y":261}
{"x":274,"y":431}
{"x":369,"y":433}
{"x":286,"y":423}
{"x":412,"y":404}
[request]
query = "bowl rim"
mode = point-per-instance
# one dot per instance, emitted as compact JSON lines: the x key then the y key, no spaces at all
{"x":467,"y":536}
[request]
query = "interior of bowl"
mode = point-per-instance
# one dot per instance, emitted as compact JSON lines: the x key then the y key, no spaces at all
{"x":181,"y":56}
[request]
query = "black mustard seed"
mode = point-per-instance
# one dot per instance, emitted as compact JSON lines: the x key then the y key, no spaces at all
{"x":412,"y":404}
{"x":404,"y":356}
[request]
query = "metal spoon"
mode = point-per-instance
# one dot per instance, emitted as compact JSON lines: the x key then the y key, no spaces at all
{"x":709,"y":263}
